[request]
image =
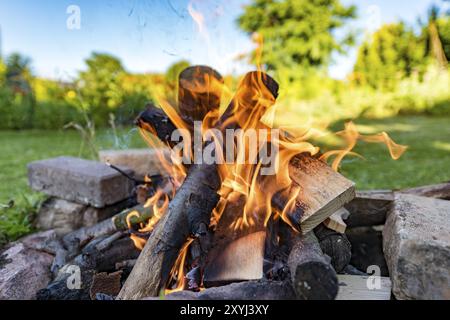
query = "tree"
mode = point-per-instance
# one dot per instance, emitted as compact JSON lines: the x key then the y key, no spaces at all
{"x":297,"y":32}
{"x":100,"y":85}
{"x":436,"y":33}
{"x":391,"y":53}
{"x":18,"y":73}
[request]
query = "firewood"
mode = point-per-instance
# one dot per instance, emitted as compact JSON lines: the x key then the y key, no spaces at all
{"x":237,"y":253}
{"x":322,"y":192}
{"x":248,"y":290}
{"x":335,"y":245}
{"x":105,"y":283}
{"x":199,"y":92}
{"x":313,"y":277}
{"x":336,"y":220}
{"x":189,"y":211}
{"x":88,"y":263}
{"x":313,"y":205}
{"x":108,"y":226}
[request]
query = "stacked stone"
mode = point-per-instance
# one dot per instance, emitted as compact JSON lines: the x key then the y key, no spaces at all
{"x":82,"y":192}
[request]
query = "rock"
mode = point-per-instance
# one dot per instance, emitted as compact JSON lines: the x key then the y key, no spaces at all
{"x":61,"y":215}
{"x":81,"y":181}
{"x":142,"y":161}
{"x":416,"y":242}
{"x":65,"y":216}
{"x":23,"y":272}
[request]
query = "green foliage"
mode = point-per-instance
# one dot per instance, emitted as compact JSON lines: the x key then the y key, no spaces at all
{"x":297,"y":33}
{"x":443,"y":26}
{"x":393,"y":53}
{"x":100,"y":86}
{"x":16,"y":217}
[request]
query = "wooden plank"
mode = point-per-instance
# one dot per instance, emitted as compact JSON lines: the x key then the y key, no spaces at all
{"x":322,"y":192}
{"x":352,"y":287}
{"x":336,"y":220}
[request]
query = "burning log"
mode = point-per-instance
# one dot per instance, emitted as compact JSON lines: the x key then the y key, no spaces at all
{"x":119,"y":222}
{"x":313,"y":277}
{"x":335,"y":245}
{"x":237,"y":252}
{"x":190,"y":210}
{"x":314,"y":203}
{"x":199,"y":92}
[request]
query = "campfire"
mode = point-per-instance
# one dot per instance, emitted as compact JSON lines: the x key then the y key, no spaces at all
{"x":237,"y":205}
{"x":248,"y":214}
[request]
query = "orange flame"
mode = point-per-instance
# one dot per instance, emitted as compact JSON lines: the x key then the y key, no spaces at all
{"x":242,"y":177}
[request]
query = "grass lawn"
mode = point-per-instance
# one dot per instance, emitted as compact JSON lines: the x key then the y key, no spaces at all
{"x":426,"y":161}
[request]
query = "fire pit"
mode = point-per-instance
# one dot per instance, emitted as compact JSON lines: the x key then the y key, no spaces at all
{"x":236,"y":210}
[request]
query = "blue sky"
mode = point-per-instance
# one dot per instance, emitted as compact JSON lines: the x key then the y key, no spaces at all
{"x":149,"y":35}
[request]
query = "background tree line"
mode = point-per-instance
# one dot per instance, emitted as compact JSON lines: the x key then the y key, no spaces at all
{"x":400,"y":68}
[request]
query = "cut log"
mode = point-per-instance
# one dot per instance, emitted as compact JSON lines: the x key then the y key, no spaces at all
{"x":199,"y":92}
{"x":336,"y":220}
{"x":154,"y":120}
{"x":189,"y":211}
{"x":237,"y":253}
{"x":369,"y":208}
{"x":335,"y":245}
{"x":314,"y":203}
{"x":248,"y":290}
{"x":313,"y":277}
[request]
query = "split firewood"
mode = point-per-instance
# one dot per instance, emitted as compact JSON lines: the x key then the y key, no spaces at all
{"x":336,"y":220}
{"x":199,"y":92}
{"x":189,"y":211}
{"x":313,"y":277}
{"x":83,"y":268}
{"x":314,"y":202}
{"x":237,"y":252}
{"x":247,"y":290}
{"x":335,"y":245}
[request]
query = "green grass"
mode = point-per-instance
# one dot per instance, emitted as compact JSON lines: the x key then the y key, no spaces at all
{"x":18,"y":148}
{"x":426,"y":161}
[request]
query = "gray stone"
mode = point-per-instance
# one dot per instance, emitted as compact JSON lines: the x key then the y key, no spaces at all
{"x":64,"y":216}
{"x":24,"y":270}
{"x":81,"y":181}
{"x":416,"y":244}
{"x":142,"y":161}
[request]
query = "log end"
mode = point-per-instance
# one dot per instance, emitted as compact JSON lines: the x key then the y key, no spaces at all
{"x":315,"y":280}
